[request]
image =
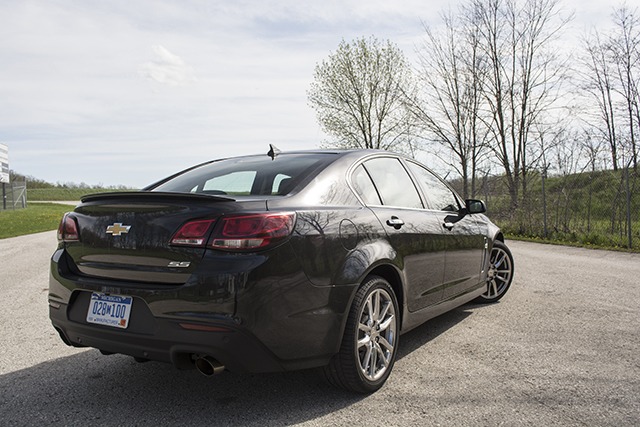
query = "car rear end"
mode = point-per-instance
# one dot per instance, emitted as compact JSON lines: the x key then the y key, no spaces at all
{"x":187,"y":273}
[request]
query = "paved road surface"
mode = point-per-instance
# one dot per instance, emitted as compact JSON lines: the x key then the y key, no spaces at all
{"x":562,"y":348}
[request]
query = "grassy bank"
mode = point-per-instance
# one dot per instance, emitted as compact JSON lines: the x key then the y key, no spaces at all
{"x":35,"y":218}
{"x":593,"y":209}
{"x":62,"y":194}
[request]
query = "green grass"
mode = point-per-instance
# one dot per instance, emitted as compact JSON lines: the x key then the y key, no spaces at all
{"x":35,"y":218}
{"x":63,"y":194}
{"x":584,"y":209}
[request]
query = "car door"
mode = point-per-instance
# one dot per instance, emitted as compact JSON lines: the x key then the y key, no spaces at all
{"x":465,"y":243}
{"x":386,"y":188}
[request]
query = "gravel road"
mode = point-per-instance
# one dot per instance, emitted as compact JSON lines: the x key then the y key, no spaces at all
{"x":562,"y":348}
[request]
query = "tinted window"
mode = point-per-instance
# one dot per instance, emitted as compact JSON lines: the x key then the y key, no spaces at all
{"x":245,"y":176}
{"x":393,"y":183}
{"x":440,"y":197}
{"x":364,"y":187}
{"x":235,"y":183}
{"x":281,"y":184}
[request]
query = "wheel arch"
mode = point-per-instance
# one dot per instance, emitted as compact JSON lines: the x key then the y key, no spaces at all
{"x":373,"y":258}
{"x":494,"y":232}
{"x":390,"y":273}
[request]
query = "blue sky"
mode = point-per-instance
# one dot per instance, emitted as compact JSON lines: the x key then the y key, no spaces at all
{"x":127,"y":92}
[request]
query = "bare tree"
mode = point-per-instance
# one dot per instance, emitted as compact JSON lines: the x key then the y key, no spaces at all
{"x":613,"y":80}
{"x":449,"y":103}
{"x":488,"y":79}
{"x":359,"y":92}
{"x":626,"y":55}
{"x":600,"y":84}
{"x":524,"y":78}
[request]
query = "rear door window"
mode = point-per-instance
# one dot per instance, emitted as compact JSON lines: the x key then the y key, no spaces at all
{"x":364,"y":186}
{"x":282,"y":184}
{"x":392,"y":182}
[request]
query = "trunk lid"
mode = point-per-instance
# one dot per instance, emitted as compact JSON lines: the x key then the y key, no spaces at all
{"x":127,"y":236}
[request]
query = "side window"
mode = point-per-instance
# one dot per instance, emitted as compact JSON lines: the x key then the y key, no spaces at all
{"x":393,"y":183}
{"x":364,"y":187}
{"x":282,"y":184}
{"x":440,"y":196}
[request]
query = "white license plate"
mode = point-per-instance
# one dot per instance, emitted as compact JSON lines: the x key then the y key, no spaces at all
{"x":109,"y":310}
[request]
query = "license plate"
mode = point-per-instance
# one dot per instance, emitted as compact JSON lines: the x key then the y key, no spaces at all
{"x":109,"y":310}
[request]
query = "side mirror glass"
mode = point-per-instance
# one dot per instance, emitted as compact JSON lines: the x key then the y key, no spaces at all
{"x":475,"y":206}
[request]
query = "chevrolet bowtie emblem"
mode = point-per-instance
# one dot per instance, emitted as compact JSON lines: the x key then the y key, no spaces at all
{"x":118,"y":229}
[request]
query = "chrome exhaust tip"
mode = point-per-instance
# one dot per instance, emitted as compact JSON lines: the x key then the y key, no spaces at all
{"x":208,"y":366}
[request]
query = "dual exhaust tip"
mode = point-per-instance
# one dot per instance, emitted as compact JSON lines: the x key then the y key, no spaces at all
{"x":208,"y":366}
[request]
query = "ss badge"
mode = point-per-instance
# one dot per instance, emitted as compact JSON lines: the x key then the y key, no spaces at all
{"x":178,"y":264}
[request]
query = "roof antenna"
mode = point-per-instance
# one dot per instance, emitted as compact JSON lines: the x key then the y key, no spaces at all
{"x":273,"y":151}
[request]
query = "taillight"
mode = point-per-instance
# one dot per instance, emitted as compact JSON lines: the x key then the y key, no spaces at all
{"x":236,"y":232}
{"x":68,"y":229}
{"x":193,"y":233}
{"x":250,"y":232}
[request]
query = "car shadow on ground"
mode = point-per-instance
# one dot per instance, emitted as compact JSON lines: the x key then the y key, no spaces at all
{"x":428,"y":331}
{"x":90,"y":389}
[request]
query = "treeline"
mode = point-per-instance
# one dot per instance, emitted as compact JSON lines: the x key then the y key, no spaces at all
{"x":496,"y":92}
{"x":34,"y":183}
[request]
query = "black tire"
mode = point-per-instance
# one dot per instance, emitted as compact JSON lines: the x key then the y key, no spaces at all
{"x":370,"y":342}
{"x":500,"y":273}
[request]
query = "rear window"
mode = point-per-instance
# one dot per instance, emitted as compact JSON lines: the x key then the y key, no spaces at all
{"x":249,"y":176}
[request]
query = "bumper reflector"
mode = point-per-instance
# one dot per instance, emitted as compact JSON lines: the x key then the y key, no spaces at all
{"x":206,"y":328}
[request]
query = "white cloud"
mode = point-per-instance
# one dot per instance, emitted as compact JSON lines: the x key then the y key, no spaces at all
{"x":167,"y":68}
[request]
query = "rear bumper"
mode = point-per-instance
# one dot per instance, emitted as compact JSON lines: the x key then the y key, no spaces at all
{"x":171,"y":341}
{"x":248,"y":319}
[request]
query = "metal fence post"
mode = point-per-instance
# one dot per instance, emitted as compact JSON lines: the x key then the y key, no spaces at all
{"x":544,"y":202}
{"x":628,"y":190}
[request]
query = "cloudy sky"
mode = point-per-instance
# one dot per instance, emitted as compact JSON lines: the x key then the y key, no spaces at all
{"x":127,"y":92}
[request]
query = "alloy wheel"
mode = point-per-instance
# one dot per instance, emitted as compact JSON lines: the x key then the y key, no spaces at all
{"x":376,"y":338}
{"x":499,"y":274}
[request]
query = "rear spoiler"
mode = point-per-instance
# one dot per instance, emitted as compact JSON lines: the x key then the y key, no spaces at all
{"x":150,"y":196}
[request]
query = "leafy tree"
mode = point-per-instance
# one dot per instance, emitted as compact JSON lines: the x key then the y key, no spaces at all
{"x":359,"y":95}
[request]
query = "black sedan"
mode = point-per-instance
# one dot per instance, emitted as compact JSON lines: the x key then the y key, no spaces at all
{"x":274,"y":262}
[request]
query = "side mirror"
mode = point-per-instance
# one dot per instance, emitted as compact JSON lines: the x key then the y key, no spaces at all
{"x":475,"y":206}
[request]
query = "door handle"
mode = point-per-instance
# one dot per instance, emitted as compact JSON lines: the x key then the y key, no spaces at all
{"x":448,"y":225}
{"x":395,"y":222}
